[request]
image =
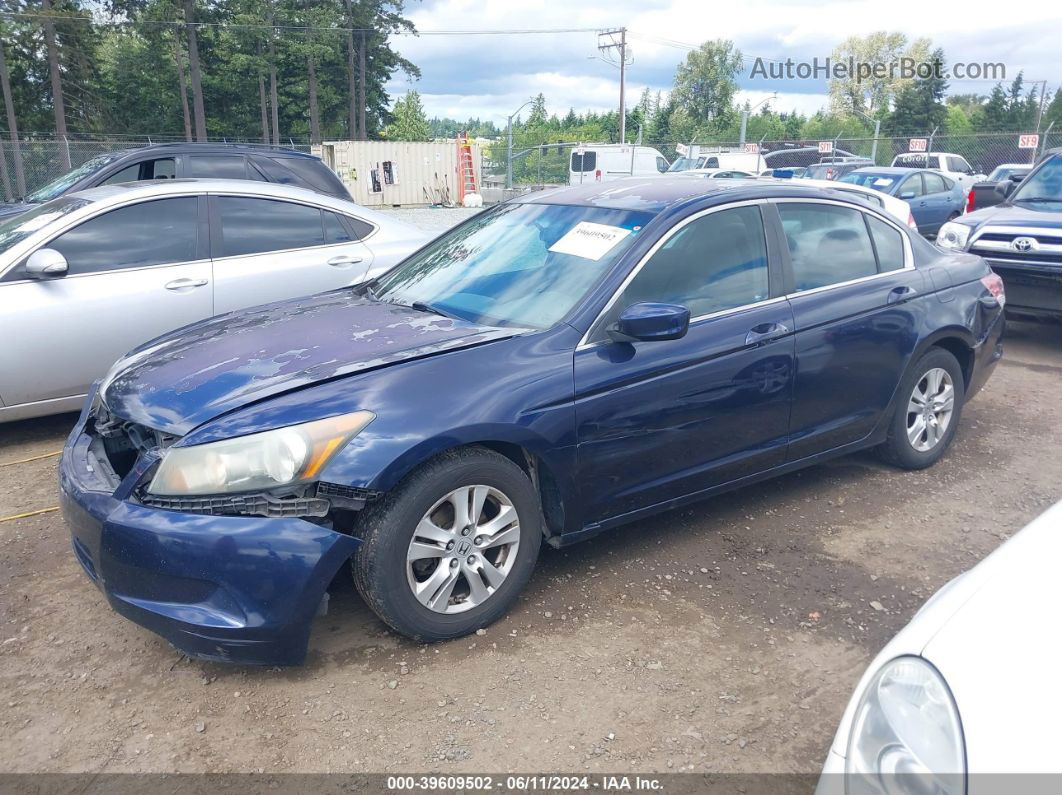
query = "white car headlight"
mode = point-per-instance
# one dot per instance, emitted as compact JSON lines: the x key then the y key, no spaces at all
{"x":953,"y":235}
{"x":256,"y":461}
{"x":906,"y":734}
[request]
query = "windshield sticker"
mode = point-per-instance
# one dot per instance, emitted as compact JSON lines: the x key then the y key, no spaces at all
{"x":883,"y":181}
{"x":589,"y":240}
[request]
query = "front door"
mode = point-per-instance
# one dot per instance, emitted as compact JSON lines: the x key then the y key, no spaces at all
{"x":269,"y":250}
{"x":133,"y":273}
{"x":660,"y":420}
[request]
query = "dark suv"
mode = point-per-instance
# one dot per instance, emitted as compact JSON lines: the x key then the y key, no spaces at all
{"x":188,"y":160}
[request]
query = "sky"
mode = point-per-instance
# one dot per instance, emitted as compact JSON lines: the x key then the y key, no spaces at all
{"x":489,"y":76}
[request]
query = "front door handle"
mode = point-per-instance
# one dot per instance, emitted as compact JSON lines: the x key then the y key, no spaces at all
{"x":898,"y":294}
{"x":765,"y":332}
{"x":185,"y":284}
{"x":343,"y":259}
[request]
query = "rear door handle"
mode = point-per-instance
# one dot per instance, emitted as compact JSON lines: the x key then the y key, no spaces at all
{"x":898,"y":294}
{"x":765,"y":332}
{"x":343,"y":259}
{"x":185,"y":284}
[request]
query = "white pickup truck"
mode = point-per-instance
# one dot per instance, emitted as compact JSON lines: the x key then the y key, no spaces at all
{"x":950,"y":165}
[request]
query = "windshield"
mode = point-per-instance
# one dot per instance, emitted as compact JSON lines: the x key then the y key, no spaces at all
{"x":686,"y":164}
{"x":867,"y":179}
{"x":17,"y":229}
{"x":1044,"y":186}
{"x":522,"y":265}
{"x":62,"y":185}
{"x":1000,"y":173}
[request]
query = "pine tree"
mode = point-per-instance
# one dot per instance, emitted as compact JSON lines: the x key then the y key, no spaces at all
{"x":409,"y":122}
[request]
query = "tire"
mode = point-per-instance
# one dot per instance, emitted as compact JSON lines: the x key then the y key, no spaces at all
{"x":904,"y":446}
{"x":436,"y":491}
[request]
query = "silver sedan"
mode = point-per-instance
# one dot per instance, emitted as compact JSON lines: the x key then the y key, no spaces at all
{"x":90,"y":275}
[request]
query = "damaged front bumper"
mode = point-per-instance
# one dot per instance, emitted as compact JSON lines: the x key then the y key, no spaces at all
{"x":241,"y":589}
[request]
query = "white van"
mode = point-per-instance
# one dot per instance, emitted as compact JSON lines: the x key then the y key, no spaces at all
{"x":604,"y":162}
{"x":694,"y":157}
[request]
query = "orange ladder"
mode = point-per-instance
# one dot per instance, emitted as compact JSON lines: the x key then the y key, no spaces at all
{"x":466,"y":168}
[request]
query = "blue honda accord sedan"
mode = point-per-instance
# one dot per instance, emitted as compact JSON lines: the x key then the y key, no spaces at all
{"x":553,"y":367}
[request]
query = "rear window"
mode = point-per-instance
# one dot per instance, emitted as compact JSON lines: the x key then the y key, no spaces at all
{"x":582,"y":162}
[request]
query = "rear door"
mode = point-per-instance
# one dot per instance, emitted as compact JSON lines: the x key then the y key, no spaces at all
{"x":853,"y":290}
{"x":937,"y":201}
{"x":912,"y":190}
{"x":267,"y":250}
{"x":134,"y":273}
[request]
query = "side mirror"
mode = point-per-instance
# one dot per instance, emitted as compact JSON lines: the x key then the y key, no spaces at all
{"x":1006,"y":187}
{"x":907,"y":194}
{"x":649,"y":322}
{"x":46,"y":263}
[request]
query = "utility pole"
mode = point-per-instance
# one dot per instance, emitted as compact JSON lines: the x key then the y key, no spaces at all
{"x":607,"y":41}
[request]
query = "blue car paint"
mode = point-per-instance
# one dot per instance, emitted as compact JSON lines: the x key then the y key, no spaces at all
{"x":930,"y":210}
{"x":614,"y":431}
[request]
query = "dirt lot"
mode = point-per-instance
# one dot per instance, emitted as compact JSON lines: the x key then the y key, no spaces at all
{"x":726,"y":637}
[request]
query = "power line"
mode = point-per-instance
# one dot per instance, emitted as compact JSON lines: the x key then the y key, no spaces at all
{"x":246,"y":26}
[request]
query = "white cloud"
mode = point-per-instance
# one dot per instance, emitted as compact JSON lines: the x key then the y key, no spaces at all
{"x":489,"y":76}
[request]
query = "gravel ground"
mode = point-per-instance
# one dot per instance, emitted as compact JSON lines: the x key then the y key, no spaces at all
{"x":724,"y":637}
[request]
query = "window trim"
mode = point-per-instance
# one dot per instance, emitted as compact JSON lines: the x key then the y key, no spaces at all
{"x":908,"y":251}
{"x":202,"y":247}
{"x":216,"y":237}
{"x":586,"y":341}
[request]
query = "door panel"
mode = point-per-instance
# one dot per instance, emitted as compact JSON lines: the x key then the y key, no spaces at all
{"x":852,"y":339}
{"x":269,"y":250}
{"x":240,"y":282}
{"x":658,"y":420}
{"x":68,"y":331}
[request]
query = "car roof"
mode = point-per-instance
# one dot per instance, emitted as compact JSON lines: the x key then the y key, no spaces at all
{"x":893,"y":170}
{"x":186,"y":147}
{"x":123,"y":191}
{"x":656,"y":194}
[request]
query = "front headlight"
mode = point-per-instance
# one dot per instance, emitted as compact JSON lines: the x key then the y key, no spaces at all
{"x":256,"y":461}
{"x":906,"y":734}
{"x":953,"y":235}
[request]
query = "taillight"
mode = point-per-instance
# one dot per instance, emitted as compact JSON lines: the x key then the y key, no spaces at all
{"x":911,"y":221}
{"x":970,"y":201}
{"x":994,"y":285}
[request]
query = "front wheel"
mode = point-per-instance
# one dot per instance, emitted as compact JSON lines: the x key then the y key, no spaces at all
{"x":927,"y":413}
{"x":450,"y":549}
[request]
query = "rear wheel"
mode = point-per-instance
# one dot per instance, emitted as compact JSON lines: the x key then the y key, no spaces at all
{"x":450,"y":549}
{"x":928,"y":411}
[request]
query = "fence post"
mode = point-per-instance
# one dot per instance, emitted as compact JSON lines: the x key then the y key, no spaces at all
{"x":874,"y":146}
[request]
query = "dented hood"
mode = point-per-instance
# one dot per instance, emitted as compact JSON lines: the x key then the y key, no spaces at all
{"x":190,"y":376}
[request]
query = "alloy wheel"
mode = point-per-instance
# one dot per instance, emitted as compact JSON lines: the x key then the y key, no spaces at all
{"x":929,"y":409}
{"x":463,"y":549}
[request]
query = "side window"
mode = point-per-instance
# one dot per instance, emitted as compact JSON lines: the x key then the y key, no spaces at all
{"x":716,"y":262}
{"x":334,"y":230}
{"x":827,"y":244}
{"x":157,"y":232}
{"x":253,"y":226}
{"x":710,"y":162}
{"x":934,"y":183}
{"x":362,"y":229}
{"x":661,"y":165}
{"x":127,"y":174}
{"x":163,"y":168}
{"x":888,"y":243}
{"x":959,"y":164}
{"x":217,"y":166}
{"x":911,"y":187}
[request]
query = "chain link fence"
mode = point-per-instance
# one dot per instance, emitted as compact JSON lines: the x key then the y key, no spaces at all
{"x":36,"y":161}
{"x":544,"y":164}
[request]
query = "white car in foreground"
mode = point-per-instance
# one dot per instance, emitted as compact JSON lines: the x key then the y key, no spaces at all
{"x":969,"y":687}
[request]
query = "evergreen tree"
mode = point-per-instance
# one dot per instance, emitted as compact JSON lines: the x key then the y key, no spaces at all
{"x":408,"y":120}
